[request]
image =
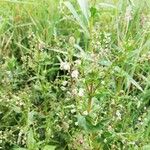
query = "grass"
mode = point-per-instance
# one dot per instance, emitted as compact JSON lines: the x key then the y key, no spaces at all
{"x":74,"y":75}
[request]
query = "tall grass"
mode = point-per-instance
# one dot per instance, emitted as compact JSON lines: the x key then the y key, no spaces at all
{"x":74,"y":75}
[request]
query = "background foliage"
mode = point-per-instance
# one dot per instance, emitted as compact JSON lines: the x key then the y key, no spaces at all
{"x":74,"y":75}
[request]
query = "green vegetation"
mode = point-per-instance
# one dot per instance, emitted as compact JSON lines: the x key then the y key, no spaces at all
{"x":74,"y":75}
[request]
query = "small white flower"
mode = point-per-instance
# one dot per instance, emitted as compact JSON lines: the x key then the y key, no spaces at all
{"x":76,"y":124}
{"x":118,"y":114}
{"x":72,"y":40}
{"x":73,"y":111}
{"x":141,"y":123}
{"x":105,"y":140}
{"x":78,"y":62}
{"x":64,"y":66}
{"x":74,"y":91}
{"x":21,"y":103}
{"x":138,"y":104}
{"x":103,"y":82}
{"x":75,"y":74}
{"x":72,"y":106}
{"x":63,"y":88}
{"x":69,"y":94}
{"x":110,"y":128}
{"x":85,"y":113}
{"x":64,"y":83}
{"x":139,"y":118}
{"x":41,"y":45}
{"x":81,"y":92}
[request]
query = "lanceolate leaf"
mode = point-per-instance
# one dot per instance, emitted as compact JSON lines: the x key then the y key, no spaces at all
{"x":146,"y":147}
{"x":49,"y":147}
{"x":129,"y":78}
{"x":107,"y":5}
{"x":84,"y":8}
{"x":76,"y":16}
{"x":19,"y":149}
{"x":31,"y":141}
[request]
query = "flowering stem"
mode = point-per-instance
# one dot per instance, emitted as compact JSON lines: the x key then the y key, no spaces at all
{"x":89,"y":104}
{"x":90,"y":98}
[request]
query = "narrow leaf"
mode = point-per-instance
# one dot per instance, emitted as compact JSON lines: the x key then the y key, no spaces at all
{"x":84,"y":8}
{"x":76,"y":16}
{"x":19,"y":148}
{"x":107,"y":5}
{"x":129,"y":78}
{"x":49,"y":147}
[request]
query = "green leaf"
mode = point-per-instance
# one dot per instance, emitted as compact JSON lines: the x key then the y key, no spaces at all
{"x":107,"y":5}
{"x":16,"y":109}
{"x":49,"y":147}
{"x":82,"y":122}
{"x":19,"y":2}
{"x":31,"y":141}
{"x":19,"y":148}
{"x":93,"y":11}
{"x":135,"y":83}
{"x":146,"y":147}
{"x":129,"y":78}
{"x":30,"y":117}
{"x":84,"y":8}
{"x":76,"y":16}
{"x":87,"y":125}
